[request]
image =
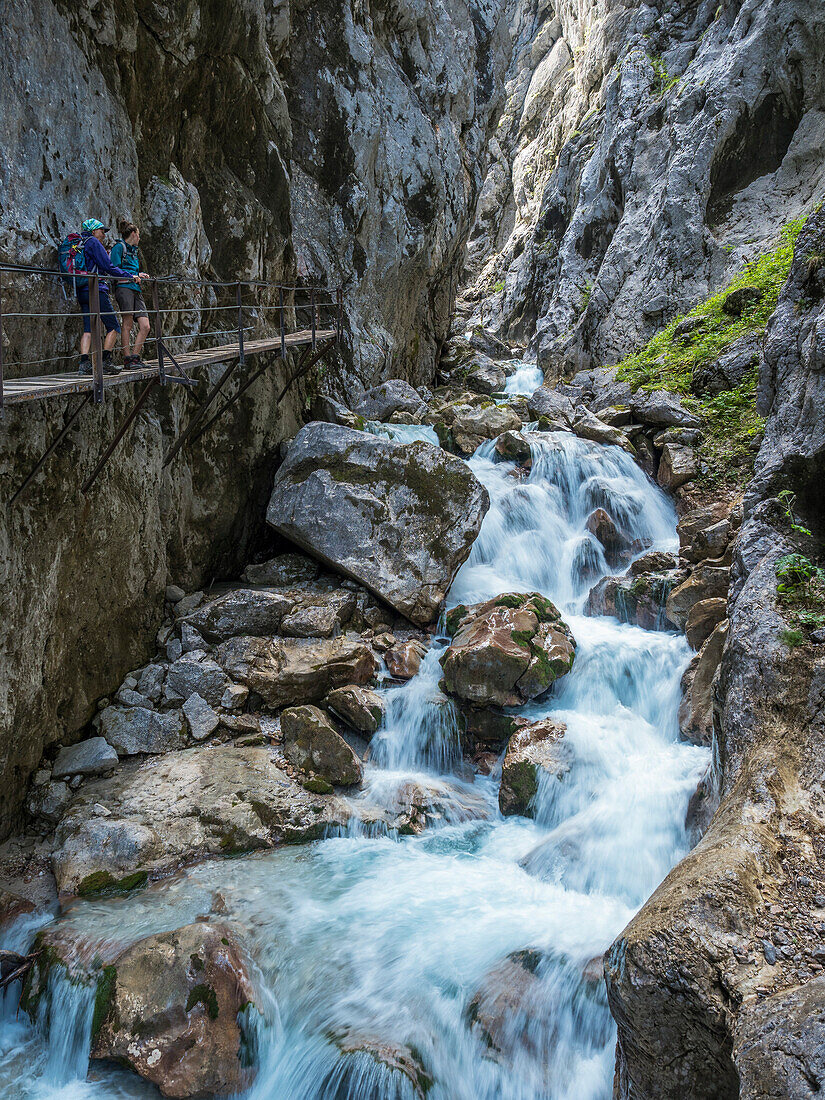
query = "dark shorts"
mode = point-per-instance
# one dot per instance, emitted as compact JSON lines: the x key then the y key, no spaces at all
{"x":130,"y":301}
{"x":107,"y":314}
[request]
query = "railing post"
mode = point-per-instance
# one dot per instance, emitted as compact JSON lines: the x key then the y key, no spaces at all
{"x":97,"y":337}
{"x":2,"y":409}
{"x":158,"y":333}
{"x":240,"y":326}
{"x":312,"y":309}
{"x":283,"y":323}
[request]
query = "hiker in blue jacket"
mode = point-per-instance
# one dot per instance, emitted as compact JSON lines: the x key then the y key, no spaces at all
{"x":128,"y":296}
{"x":96,"y":261}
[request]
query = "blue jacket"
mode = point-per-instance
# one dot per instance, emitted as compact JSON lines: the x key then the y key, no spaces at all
{"x":126,"y":256}
{"x":97,"y":258}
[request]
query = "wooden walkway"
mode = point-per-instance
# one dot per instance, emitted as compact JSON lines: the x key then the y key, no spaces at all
{"x":18,"y":390}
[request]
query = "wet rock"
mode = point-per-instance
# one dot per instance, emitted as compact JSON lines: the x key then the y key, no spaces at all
{"x":533,"y":749}
{"x":506,"y":651}
{"x":314,"y":746}
{"x":168,"y":811}
{"x":403,"y":660}
{"x":359,"y":707}
{"x":134,"y":730}
{"x":200,"y":717}
{"x":285,"y":570}
{"x":696,"y":707}
{"x":638,"y":599}
{"x":412,"y":806}
{"x":398,"y":1060}
{"x":486,"y":377}
{"x":705,"y":582}
{"x":514,"y":447}
{"x":702,"y":620}
{"x":339,"y":490}
{"x":701,"y":808}
{"x":327,"y":408}
{"x":172,"y":1008}
{"x":475,"y":426}
{"x":287,"y":671}
{"x":242,"y":611}
{"x":94,"y":756}
{"x":602,"y":527}
{"x":383,"y":400}
{"x":677,"y":466}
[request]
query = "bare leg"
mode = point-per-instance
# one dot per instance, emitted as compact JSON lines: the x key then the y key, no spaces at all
{"x":85,"y":343}
{"x":143,"y":332}
{"x":125,"y":333}
{"x":110,"y":341}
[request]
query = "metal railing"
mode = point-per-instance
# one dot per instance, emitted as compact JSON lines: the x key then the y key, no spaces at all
{"x":322,"y":307}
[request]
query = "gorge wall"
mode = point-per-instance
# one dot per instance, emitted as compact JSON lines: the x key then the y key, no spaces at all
{"x":325,"y":141}
{"x":645,"y":152}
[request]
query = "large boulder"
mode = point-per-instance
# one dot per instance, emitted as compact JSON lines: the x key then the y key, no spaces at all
{"x":94,"y":756}
{"x":506,"y":651}
{"x":383,"y":400}
{"x":706,"y":581}
{"x":399,"y":518}
{"x":662,"y":409}
{"x":242,"y":611}
{"x":174,"y":1005}
{"x":486,"y":377}
{"x":534,"y":749}
{"x":154,"y":816}
{"x":287,"y":671}
{"x":314,"y":746}
{"x":677,"y":466}
{"x":550,"y":403}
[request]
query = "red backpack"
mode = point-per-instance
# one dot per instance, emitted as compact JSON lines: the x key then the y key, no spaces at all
{"x":71,"y":259}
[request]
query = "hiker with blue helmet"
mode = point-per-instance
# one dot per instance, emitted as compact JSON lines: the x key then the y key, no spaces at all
{"x":128,"y":296}
{"x":95,"y":260}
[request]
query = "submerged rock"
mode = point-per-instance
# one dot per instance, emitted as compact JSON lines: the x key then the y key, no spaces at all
{"x":399,"y":518}
{"x":396,"y":1059}
{"x":506,"y":651}
{"x":314,"y":746}
{"x":635,"y":598}
{"x":533,"y":749}
{"x":170,"y":810}
{"x":287,"y":671}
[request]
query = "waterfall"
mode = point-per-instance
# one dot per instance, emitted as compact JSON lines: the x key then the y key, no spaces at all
{"x":472,"y":952}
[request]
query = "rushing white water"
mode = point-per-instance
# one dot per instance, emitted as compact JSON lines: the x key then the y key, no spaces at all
{"x":403,"y":433}
{"x":391,"y":938}
{"x":525,"y":379}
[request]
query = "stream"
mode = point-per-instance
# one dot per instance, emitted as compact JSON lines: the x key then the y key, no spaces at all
{"x":392,"y":937}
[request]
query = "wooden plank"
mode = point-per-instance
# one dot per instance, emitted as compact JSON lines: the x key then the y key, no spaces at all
{"x":19,"y":390}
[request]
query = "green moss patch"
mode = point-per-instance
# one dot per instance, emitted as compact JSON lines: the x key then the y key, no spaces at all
{"x":102,"y":882}
{"x":316,"y":785}
{"x":730,"y":420}
{"x":103,"y":997}
{"x":204,"y":995}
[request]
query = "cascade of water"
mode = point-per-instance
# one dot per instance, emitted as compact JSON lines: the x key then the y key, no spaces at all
{"x":525,"y":379}
{"x":472,"y":951}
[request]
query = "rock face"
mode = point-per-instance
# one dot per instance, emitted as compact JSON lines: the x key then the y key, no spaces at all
{"x":276,"y":173}
{"x":533,"y":749}
{"x":171,"y":810}
{"x":716,"y":984}
{"x":173,"y":1005}
{"x":398,"y":518}
{"x":631,"y":167}
{"x":506,"y":651}
{"x":359,"y":707}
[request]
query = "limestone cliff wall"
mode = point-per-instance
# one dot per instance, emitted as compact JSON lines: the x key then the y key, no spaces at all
{"x":343,"y":142}
{"x":645,"y":152}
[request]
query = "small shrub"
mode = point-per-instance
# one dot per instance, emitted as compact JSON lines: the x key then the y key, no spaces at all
{"x":792,"y":638}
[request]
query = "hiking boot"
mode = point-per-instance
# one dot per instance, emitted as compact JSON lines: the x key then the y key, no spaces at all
{"x":85,"y":366}
{"x":137,"y":362}
{"x":109,"y":365}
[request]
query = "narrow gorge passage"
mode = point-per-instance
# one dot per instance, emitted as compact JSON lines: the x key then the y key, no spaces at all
{"x":469,"y":955}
